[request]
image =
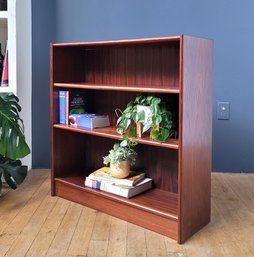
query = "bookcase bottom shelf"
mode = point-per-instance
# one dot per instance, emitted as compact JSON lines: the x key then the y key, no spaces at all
{"x":155,"y":209}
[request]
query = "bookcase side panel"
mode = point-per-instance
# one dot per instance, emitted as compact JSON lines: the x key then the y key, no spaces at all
{"x":195,"y":184}
{"x":52,"y":117}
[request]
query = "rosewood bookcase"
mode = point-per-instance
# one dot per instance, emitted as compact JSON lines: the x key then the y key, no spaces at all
{"x":112,"y":73}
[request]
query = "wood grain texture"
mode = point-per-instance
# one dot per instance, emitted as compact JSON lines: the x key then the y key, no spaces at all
{"x":77,"y":153}
{"x":110,"y":205}
{"x":156,"y":201}
{"x":110,"y":132}
{"x":112,"y":73}
{"x":153,"y":65}
{"x":107,"y":86}
{"x":196,"y":140}
{"x":122,"y":42}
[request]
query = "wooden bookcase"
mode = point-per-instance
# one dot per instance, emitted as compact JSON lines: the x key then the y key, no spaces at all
{"x":112,"y":73}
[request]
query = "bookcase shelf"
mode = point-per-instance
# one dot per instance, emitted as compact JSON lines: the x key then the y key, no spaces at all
{"x":110,"y":132}
{"x":111,"y":74}
{"x":130,"y":88}
{"x":155,"y":201}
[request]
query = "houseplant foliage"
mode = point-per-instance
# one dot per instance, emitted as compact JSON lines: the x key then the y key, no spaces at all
{"x":161,"y":124}
{"x":121,"y":157}
{"x":12,"y":141}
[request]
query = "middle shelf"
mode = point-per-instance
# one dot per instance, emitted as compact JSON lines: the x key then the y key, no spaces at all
{"x":110,"y":132}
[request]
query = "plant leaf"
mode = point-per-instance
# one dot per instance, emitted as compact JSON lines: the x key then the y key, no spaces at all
{"x":12,"y":139}
{"x":132,"y":132}
{"x":120,"y":131}
{"x":124,"y":143}
{"x":163,"y":135}
{"x":154,"y":134}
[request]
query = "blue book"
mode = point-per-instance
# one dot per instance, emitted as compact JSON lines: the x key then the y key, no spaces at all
{"x":89,"y":120}
{"x":63,"y":116}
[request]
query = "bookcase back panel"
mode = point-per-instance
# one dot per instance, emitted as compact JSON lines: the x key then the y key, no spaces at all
{"x":153,"y":65}
{"x":106,"y":102}
{"x":82,"y":154}
{"x":68,"y":150}
{"x":160,"y":164}
{"x":68,"y":63}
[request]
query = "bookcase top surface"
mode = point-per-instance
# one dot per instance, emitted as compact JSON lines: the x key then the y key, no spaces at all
{"x":122,"y":42}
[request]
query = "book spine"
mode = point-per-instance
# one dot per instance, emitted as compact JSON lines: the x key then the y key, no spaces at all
{"x":62,"y":107}
{"x":67,"y":107}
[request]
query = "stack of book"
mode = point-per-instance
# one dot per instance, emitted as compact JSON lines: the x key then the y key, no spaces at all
{"x":128,"y":187}
{"x":72,"y":105}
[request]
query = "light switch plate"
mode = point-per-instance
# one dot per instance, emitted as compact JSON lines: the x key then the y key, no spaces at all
{"x":223,"y":110}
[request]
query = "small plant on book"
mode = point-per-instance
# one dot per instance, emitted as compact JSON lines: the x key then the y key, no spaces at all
{"x":121,"y":157}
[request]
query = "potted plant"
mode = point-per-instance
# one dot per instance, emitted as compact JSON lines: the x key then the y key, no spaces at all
{"x":12,"y":142}
{"x":121,"y":157}
{"x":150,"y":111}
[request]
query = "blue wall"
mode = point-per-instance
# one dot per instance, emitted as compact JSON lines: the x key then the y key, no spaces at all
{"x":229,"y":23}
{"x":43,"y":31}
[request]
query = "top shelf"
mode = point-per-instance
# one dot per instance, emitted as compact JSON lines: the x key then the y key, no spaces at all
{"x":122,"y":42}
{"x":141,"y":66}
{"x":130,"y":88}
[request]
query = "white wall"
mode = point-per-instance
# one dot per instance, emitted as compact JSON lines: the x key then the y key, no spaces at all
{"x":24,"y":68}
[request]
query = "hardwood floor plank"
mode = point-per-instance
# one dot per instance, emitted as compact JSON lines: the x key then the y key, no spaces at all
{"x":136,"y":241}
{"x":63,"y":237}
{"x":83,"y":233}
{"x":30,"y":231}
{"x":117,"y":238}
{"x":243,"y":205}
{"x":235,"y":216}
{"x":155,"y":244}
{"x":12,"y":203}
{"x":13,"y":229}
{"x":98,"y":245}
{"x":49,"y":229}
{"x":174,"y":248}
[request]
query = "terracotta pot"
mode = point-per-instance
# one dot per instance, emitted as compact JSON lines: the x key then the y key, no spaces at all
{"x":120,"y":171}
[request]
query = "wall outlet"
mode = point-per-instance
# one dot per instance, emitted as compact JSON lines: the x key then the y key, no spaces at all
{"x":223,"y":110}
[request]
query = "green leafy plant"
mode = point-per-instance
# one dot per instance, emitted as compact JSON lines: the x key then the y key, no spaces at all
{"x":161,"y":122}
{"x":122,"y":152}
{"x":12,"y":141}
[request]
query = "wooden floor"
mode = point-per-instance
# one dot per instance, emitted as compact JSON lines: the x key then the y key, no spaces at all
{"x":32,"y":223}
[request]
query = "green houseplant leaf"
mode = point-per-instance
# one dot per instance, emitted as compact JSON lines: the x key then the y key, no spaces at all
{"x":159,"y":119}
{"x":12,"y":141}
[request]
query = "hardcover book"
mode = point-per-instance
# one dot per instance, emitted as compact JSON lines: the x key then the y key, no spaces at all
{"x":89,"y":120}
{"x":77,"y":101}
{"x":121,"y":190}
{"x":103,"y":174}
{"x":63,"y":115}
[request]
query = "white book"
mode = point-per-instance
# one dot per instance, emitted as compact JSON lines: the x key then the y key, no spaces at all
{"x":122,"y":190}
